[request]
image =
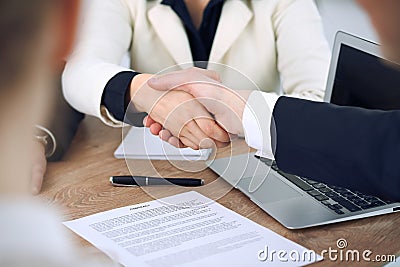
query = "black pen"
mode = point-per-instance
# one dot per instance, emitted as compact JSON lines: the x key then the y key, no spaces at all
{"x":148,"y":181}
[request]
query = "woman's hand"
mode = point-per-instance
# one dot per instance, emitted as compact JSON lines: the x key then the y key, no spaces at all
{"x":179,"y":113}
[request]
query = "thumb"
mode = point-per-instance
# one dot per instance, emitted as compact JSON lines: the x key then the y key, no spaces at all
{"x":169,"y":82}
{"x":176,"y":79}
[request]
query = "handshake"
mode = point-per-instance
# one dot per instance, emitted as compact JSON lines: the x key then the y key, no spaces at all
{"x":190,"y":108}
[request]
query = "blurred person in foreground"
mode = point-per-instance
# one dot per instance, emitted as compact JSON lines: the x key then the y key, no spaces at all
{"x":35,"y":36}
{"x":53,"y":135}
{"x":349,"y":147}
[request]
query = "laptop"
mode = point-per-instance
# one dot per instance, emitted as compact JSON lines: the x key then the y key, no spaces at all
{"x":358,"y":76}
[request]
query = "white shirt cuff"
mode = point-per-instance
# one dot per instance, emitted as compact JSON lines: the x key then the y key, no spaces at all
{"x":257,"y":117}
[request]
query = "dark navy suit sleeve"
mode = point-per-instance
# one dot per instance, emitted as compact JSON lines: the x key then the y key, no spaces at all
{"x":344,"y":146}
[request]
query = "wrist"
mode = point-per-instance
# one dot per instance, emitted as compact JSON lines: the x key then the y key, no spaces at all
{"x":241,"y":100}
{"x":47,"y":139}
{"x":138,"y":91}
{"x":238,"y":103}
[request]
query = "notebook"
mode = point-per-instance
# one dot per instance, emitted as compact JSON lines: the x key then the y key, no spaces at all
{"x":139,"y":143}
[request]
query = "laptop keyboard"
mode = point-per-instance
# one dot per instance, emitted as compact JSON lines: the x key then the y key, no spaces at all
{"x":338,"y":199}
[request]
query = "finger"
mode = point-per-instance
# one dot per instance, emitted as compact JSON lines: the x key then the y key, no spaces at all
{"x":165,"y":135}
{"x":155,"y":128}
{"x":174,"y":79}
{"x":148,"y":121}
{"x":233,"y":136}
{"x":192,"y":132}
{"x":145,"y":119}
{"x":38,"y":172}
{"x":176,"y":142}
{"x":187,"y":142}
{"x":213,"y":130}
{"x":221,"y":144}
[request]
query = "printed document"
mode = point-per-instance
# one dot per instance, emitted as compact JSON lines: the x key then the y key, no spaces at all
{"x":188,"y":229}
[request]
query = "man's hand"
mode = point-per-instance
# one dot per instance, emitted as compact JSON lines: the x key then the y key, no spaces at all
{"x":181,"y":114}
{"x":225,"y":104}
{"x":39,"y":164}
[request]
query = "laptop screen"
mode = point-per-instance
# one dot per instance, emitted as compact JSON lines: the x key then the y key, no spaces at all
{"x":364,"y":80}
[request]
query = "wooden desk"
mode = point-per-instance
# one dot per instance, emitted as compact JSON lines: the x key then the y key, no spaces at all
{"x":79,"y":184}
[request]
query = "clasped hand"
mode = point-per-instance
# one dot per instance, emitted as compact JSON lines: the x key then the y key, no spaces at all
{"x":196,"y":110}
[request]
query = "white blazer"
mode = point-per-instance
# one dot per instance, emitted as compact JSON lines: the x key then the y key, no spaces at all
{"x":277,"y":44}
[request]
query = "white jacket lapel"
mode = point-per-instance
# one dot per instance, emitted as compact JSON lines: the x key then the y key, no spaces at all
{"x":234,"y":18}
{"x":170,"y":30}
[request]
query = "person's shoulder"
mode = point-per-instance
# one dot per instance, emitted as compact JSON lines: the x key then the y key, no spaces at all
{"x":277,"y":4}
{"x":140,"y":3}
{"x":262,"y":3}
{"x":278,"y":8}
{"x":259,"y":7}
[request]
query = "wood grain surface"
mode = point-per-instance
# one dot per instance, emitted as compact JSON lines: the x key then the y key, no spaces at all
{"x":79,"y":185}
